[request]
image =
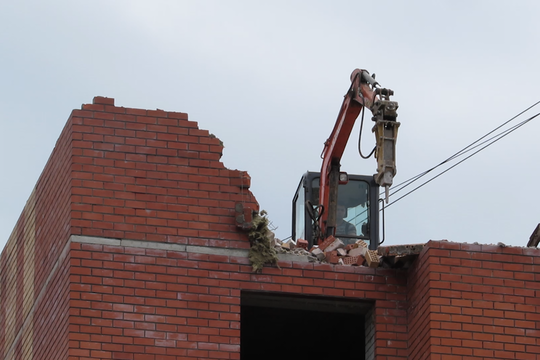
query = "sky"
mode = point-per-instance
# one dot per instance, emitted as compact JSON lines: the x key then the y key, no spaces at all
{"x":268,"y":79}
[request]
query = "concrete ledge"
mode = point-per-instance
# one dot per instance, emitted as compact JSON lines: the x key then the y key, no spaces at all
{"x":293,"y":257}
{"x":217,"y":251}
{"x":94,"y":240}
{"x":160,"y":246}
{"x":179,"y":247}
{"x":153,"y":245}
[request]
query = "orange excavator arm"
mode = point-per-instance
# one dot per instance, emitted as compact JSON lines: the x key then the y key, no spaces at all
{"x":363,"y":92}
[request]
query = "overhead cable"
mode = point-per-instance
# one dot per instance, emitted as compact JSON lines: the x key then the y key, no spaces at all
{"x":496,"y":138}
{"x":461,"y":152}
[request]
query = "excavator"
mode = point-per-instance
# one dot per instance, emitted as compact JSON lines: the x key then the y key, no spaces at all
{"x":334,"y":203}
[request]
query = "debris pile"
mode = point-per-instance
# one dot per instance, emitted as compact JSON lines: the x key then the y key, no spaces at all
{"x":334,"y":251}
{"x":265,"y":247}
{"x":290,"y":247}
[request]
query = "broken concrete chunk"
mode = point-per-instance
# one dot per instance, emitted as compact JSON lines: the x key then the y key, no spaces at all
{"x":397,"y":250}
{"x":318,"y":253}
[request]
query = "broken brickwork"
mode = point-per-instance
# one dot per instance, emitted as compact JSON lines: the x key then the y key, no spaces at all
{"x":129,"y":248}
{"x":152,"y":175}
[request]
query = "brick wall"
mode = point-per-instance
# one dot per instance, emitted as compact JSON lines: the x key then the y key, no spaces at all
{"x":475,"y":302}
{"x":185,"y":303}
{"x":34,"y":275}
{"x":418,"y":295}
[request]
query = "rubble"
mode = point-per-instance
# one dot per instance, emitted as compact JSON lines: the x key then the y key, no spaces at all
{"x":318,"y":253}
{"x":301,"y":243}
{"x":372,"y":259}
{"x":331,"y":257}
{"x":359,"y":251}
{"x":342,"y":252}
{"x":334,"y":251}
{"x":326,"y":243}
{"x":353,"y":260}
{"x":334,"y":245}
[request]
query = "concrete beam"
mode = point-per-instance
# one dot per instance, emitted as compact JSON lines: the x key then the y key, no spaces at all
{"x":400,"y":250}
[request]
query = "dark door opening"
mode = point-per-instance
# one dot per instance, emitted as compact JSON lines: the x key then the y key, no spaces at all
{"x":277,"y":326}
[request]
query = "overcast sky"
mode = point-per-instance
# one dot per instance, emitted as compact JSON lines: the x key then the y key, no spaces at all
{"x":268,"y":79}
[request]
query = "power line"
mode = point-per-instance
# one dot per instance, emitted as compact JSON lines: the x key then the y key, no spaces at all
{"x":497,"y":138}
{"x":466,"y":149}
{"x":461,"y":152}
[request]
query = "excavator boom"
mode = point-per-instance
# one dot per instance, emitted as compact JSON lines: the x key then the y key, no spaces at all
{"x":363,"y":92}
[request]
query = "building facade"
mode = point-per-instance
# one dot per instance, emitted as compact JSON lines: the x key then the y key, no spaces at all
{"x":128,"y":248}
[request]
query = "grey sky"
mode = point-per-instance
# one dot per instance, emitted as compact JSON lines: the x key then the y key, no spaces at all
{"x":268,"y":79}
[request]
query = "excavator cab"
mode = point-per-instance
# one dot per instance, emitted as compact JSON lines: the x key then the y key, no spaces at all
{"x":357,"y":210}
{"x":339,"y":205}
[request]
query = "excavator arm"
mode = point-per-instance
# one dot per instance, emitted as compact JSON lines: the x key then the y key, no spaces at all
{"x":363,"y":92}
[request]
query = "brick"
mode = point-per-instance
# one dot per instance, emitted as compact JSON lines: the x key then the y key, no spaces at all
{"x":331,"y":257}
{"x":334,"y":245}
{"x":351,"y":260}
{"x":301,"y":243}
{"x":323,"y":245}
{"x":372,"y":259}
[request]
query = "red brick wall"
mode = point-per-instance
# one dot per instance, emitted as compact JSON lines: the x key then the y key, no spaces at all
{"x":33,"y":287}
{"x":475,"y":302}
{"x":418,"y":295}
{"x":129,"y":301}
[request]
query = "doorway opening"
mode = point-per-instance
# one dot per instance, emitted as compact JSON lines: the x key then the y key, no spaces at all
{"x":278,"y":326}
